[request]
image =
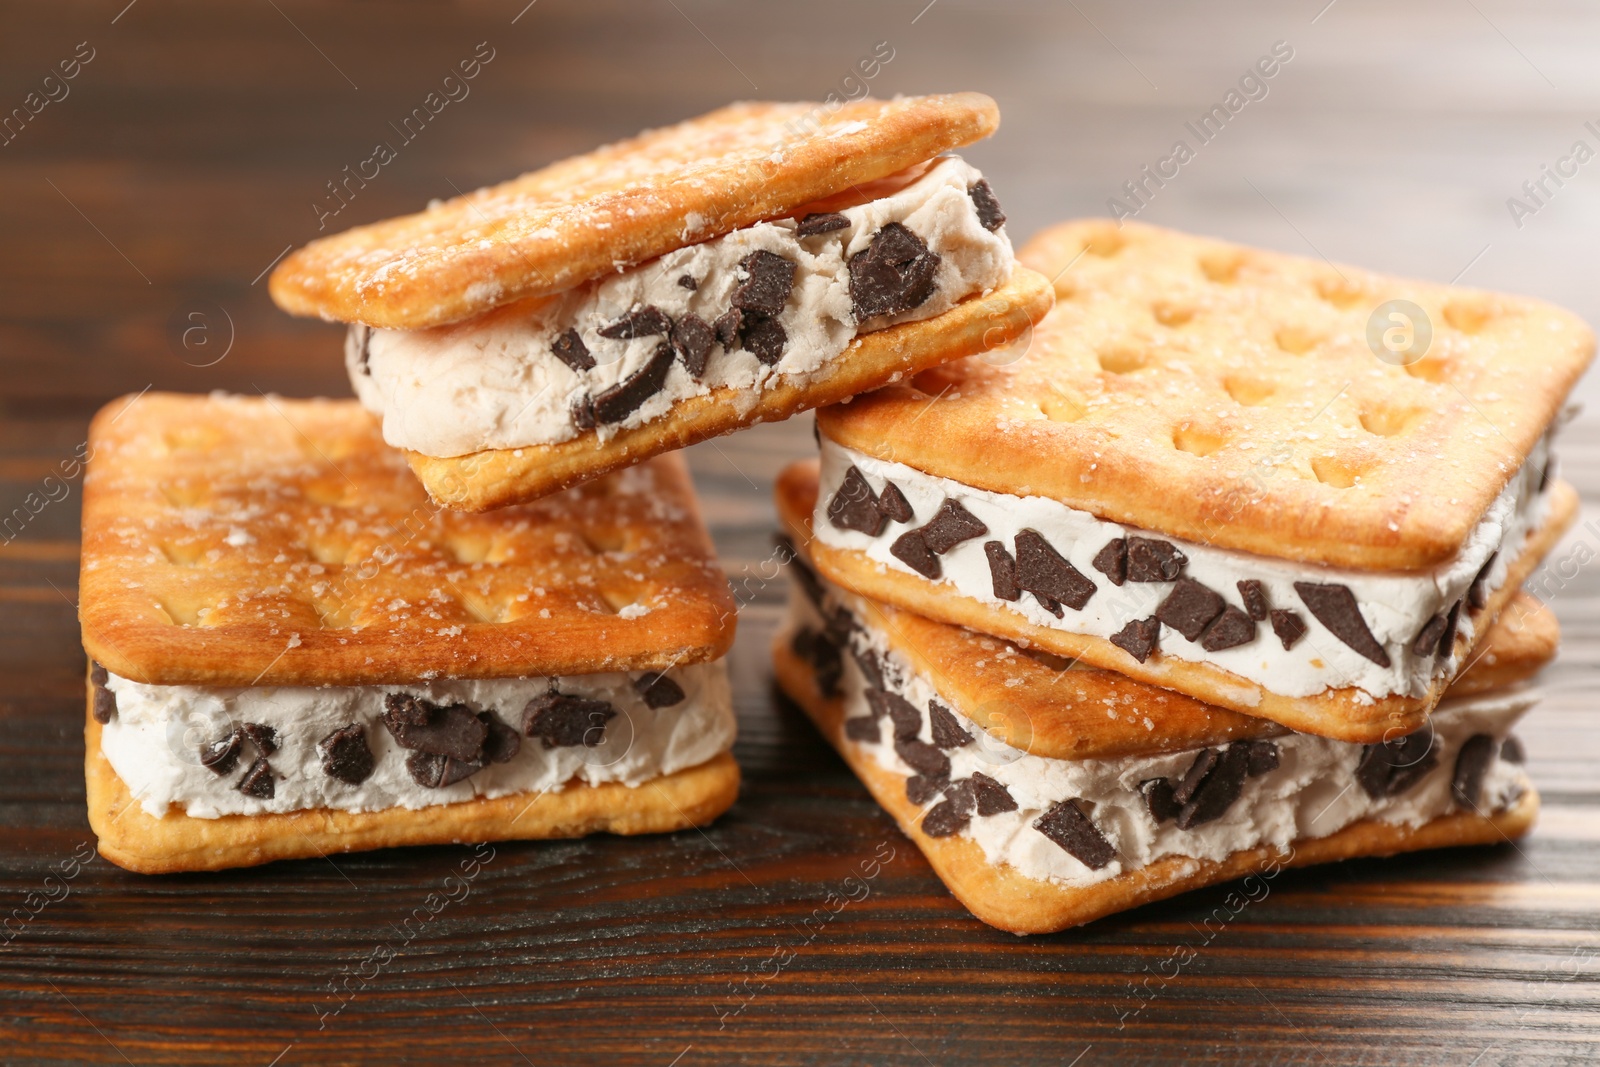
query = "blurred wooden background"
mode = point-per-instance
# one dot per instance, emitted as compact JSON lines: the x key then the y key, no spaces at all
{"x":194,"y":147}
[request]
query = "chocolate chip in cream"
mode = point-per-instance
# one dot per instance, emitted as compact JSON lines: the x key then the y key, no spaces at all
{"x":658,"y":689}
{"x":1003,"y":574}
{"x":1067,"y":825}
{"x":1112,"y":560}
{"x":1150,"y":560}
{"x":1139,"y":638}
{"x":990,"y":217}
{"x":1190,"y":607}
{"x":560,"y":720}
{"x":1289,"y":627}
{"x":570,"y":349}
{"x":346,"y":755}
{"x":1335,"y":607}
{"x":624,"y":398}
{"x":645,"y":321}
{"x":1472,"y":764}
{"x":855,"y":506}
{"x":1043,"y":572}
{"x":894,"y":273}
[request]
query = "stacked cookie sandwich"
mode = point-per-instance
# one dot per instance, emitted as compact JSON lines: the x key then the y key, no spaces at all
{"x":1201,"y":484}
{"x":310,"y":629}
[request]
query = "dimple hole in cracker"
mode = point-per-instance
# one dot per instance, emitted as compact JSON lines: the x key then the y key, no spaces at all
{"x":1222,"y":267}
{"x":184,"y":494}
{"x":193,"y":437}
{"x":1390,"y":421}
{"x":1340,"y":291}
{"x":600,"y":540}
{"x":1123,"y":358}
{"x":1430,"y":369}
{"x":1248,"y":392}
{"x":180,"y":554}
{"x":1062,"y":409}
{"x":1469,"y":315}
{"x":1104,"y":241}
{"x":1337,"y":471}
{"x":179,"y":613}
{"x":333,"y":553}
{"x":1297,"y":340}
{"x":1197,"y":440}
{"x":1172,"y":313}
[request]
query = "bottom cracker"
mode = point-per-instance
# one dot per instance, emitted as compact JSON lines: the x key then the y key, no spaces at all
{"x":1008,"y":901}
{"x":497,"y":477}
{"x":132,"y":838}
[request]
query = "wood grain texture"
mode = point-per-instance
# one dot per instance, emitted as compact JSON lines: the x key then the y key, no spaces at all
{"x":198,"y":140}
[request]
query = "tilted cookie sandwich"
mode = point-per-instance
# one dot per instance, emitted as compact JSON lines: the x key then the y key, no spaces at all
{"x":737,"y":268}
{"x":293,"y":653}
{"x":1200,"y":474}
{"x":1046,"y":794}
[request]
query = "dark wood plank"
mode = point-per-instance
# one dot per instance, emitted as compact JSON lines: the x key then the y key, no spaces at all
{"x":190,"y":153}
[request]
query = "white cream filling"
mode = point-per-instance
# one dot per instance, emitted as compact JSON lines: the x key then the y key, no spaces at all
{"x":153,"y":742}
{"x":1395,"y":606}
{"x":492,"y":382}
{"x":1312,"y":793}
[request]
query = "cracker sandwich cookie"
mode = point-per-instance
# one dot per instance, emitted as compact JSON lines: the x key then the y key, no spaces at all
{"x":1200,"y":474}
{"x":757,"y":261}
{"x":1046,"y":794}
{"x":293,"y":653}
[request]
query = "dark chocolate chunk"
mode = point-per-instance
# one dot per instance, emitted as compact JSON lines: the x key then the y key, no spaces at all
{"x":265,"y":737}
{"x":1052,"y":606}
{"x":1219,"y":790}
{"x":503,"y":741}
{"x":692,"y":338}
{"x":658,"y":690}
{"x":763,"y":337}
{"x":1263,"y":756}
{"x":863,"y":728}
{"x":1204,"y":761}
{"x":951,"y":525}
{"x":1427,"y":639}
{"x":768,"y":279}
{"x":952,"y":814}
{"x":640,"y":322}
{"x":871,"y":669}
{"x":1289,"y":627}
{"x":1042,"y":571}
{"x":366,"y":362}
{"x":560,"y":720}
{"x":992,"y":798}
{"x":1003,"y":572}
{"x":1447,"y":639}
{"x":855,"y":505}
{"x":259,"y":781}
{"x":923,"y":758}
{"x":105,"y":703}
{"x":98,"y":675}
{"x":1190,"y":607}
{"x":1158,"y":799}
{"x":1544,"y":475}
{"x":403,"y":709}
{"x":726,"y":327}
{"x":947,"y":729}
{"x":1472,"y":763}
{"x":1139,"y":638}
{"x":1067,"y":825}
{"x":1392,"y":767}
{"x":920,"y":788}
{"x":583,"y":413}
{"x":1229,"y":630}
{"x":1150,"y":560}
{"x":1335,"y":607}
{"x":911,"y":548}
{"x":818,"y":222}
{"x":687,"y":281}
{"x":433,"y":771}
{"x":623,"y":399}
{"x":222,"y":755}
{"x":894,"y":273}
{"x":1478,"y":591}
{"x":903,"y":714}
{"x":1112,"y":560}
{"x":822,"y":652}
{"x":345,"y":754}
{"x":894,"y":505}
{"x":570,"y":349}
{"x":990,"y":217}
{"x":452,"y":730}
{"x":1511,"y":750}
{"x":1254,"y":595}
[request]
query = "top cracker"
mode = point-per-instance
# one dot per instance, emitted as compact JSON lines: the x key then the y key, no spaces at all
{"x":261,"y":541}
{"x":628,"y":202}
{"x":1229,"y":396}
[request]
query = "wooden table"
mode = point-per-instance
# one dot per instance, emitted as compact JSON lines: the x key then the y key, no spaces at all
{"x":193,"y":148}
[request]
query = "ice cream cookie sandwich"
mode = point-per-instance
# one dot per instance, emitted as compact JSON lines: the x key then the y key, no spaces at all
{"x":1046,"y":793}
{"x":293,"y":653}
{"x":737,"y":268}
{"x":1213,"y":471}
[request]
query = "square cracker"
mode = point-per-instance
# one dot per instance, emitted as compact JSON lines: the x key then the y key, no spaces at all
{"x":1005,"y":899}
{"x":261,"y":541}
{"x":497,"y":477}
{"x":1228,"y":396}
{"x":1057,"y":708}
{"x":577,"y":219}
{"x":134,"y":839}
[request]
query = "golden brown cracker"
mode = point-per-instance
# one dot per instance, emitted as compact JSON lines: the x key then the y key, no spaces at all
{"x":1005,"y":899}
{"x":495,"y":478}
{"x":263,"y":541}
{"x":619,"y":205}
{"x":132,"y":838}
{"x":1228,"y":396}
{"x":1064,"y":709}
